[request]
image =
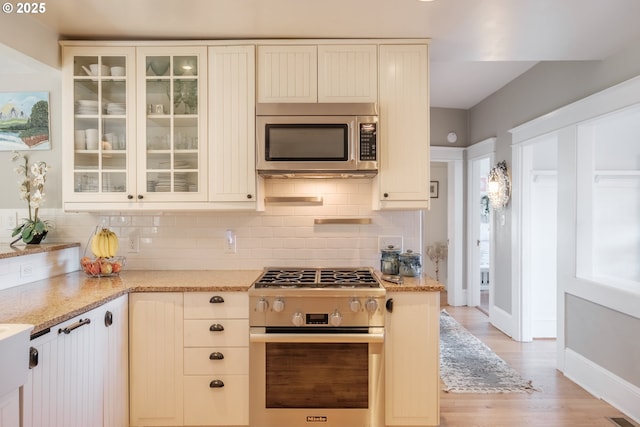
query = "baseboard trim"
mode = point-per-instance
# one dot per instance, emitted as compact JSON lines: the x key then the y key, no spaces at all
{"x":603,"y":384}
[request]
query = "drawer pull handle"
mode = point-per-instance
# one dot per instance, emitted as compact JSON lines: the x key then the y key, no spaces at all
{"x":108,"y":319}
{"x":216,"y":327}
{"x":216,"y":384}
{"x":216,"y":355}
{"x":33,"y":357}
{"x":76,"y":325}
{"x":217,"y":299}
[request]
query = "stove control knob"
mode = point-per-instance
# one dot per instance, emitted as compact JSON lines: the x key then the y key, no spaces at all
{"x":262,"y":305}
{"x":297,"y":319}
{"x":355,"y":305}
{"x":371,"y":305}
{"x":335,"y":318}
{"x":278,"y":305}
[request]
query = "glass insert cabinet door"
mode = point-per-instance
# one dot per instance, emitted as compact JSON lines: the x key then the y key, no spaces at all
{"x":171,"y":135}
{"x":102,"y":100}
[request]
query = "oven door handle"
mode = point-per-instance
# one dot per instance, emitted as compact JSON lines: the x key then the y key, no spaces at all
{"x":377,"y":337}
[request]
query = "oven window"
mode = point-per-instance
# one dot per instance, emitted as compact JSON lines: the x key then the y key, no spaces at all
{"x":312,"y":142}
{"x":317,"y":375}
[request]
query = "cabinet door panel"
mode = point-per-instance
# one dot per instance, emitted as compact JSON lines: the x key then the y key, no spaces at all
{"x":223,"y":406}
{"x":156,"y":358}
{"x":227,"y":360}
{"x":347,"y":73}
{"x":198,"y":333}
{"x":198,"y":305}
{"x":287,"y":74}
{"x":404,"y":126}
{"x":232,"y":124}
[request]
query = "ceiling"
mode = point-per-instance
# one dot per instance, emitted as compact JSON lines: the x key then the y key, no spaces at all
{"x":477,"y":46}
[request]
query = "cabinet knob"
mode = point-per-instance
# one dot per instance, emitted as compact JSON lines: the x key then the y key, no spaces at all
{"x":249,"y":196}
{"x":216,"y":384}
{"x":140,"y":196}
{"x":129,"y":196}
{"x":216,"y":327}
{"x":386,"y":194}
{"x":216,"y":355}
{"x":389,"y":305}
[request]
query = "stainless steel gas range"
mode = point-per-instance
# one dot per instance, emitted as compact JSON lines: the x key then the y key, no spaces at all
{"x":316,"y":348}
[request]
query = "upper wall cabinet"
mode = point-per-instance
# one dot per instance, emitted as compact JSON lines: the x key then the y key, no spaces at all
{"x":99,"y":124}
{"x":323,"y":73}
{"x":232,"y":124}
{"x":403,"y":179}
{"x":172,"y":112}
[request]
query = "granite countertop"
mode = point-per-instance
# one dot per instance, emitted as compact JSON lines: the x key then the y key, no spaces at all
{"x":22,"y":249}
{"x":48,"y":302}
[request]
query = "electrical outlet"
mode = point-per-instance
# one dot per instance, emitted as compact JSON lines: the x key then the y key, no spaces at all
{"x":230,"y":242}
{"x":133,"y":244}
{"x":385,"y":241}
{"x":26,"y":270}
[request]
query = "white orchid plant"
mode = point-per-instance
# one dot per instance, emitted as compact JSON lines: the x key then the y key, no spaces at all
{"x":31,"y":189}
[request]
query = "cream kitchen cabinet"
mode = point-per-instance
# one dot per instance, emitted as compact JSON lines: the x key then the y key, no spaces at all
{"x":216,"y":359}
{"x":232,"y":126}
{"x":403,"y":178}
{"x":98,"y":124}
{"x":412,"y":360}
{"x":156,"y":358}
{"x":317,"y":73}
{"x":78,"y":372}
{"x":135,"y":128}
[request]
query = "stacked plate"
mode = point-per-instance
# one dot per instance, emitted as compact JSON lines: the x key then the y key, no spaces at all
{"x":87,"y":106}
{"x":179,"y":185}
{"x":116,"y":108}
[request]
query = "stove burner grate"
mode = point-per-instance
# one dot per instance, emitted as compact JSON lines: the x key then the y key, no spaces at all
{"x":317,"y":278}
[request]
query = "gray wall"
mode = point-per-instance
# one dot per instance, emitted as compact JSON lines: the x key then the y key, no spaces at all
{"x":541,"y":90}
{"x":445,"y":120}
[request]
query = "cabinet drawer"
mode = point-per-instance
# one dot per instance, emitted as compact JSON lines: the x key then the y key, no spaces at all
{"x":198,"y":361}
{"x":227,"y":406}
{"x":203,"y":305}
{"x":197,"y":333}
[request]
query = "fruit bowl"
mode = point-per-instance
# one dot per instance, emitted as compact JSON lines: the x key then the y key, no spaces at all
{"x":103,"y":267}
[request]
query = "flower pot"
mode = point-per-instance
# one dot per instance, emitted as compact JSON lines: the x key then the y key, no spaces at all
{"x":38,"y":238}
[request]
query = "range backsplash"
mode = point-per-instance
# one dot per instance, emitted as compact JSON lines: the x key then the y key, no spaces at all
{"x":283,"y":235}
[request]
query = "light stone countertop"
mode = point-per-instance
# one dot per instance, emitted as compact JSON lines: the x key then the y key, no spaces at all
{"x":46,"y":303}
{"x":22,"y":249}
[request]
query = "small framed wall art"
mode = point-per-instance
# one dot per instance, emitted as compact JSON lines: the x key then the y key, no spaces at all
{"x":24,"y":121}
{"x":434,"y":189}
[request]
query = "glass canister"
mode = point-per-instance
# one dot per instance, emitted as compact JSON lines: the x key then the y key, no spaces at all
{"x":389,"y":261}
{"x":410,"y":264}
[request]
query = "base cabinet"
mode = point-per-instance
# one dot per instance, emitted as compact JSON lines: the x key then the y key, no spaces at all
{"x":189,"y":359}
{"x":10,"y":409}
{"x":75,"y":378}
{"x":412,"y":359}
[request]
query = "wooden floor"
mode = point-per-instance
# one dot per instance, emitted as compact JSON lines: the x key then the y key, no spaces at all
{"x":559,"y":403}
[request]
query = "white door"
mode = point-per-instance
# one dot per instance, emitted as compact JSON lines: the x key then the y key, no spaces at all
{"x":479,"y":242}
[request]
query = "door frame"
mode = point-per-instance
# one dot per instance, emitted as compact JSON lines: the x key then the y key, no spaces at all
{"x":454,"y":158}
{"x":477,"y":151}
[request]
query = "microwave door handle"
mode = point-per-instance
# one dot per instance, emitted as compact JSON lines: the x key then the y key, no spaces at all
{"x":355,"y":141}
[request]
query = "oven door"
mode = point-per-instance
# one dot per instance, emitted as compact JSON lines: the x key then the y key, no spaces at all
{"x":316,"y":379}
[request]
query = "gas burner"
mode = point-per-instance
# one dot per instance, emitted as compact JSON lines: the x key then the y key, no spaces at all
{"x":317,"y":278}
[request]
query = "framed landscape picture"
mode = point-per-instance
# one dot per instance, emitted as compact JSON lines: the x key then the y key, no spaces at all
{"x":24,"y":121}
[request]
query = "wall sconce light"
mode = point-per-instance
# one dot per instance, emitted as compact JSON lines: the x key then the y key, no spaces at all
{"x":499,"y":186}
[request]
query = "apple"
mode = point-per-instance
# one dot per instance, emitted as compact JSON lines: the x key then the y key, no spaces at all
{"x":116,"y":267}
{"x":105,"y":267}
{"x":94,"y":268}
{"x":84,"y":261}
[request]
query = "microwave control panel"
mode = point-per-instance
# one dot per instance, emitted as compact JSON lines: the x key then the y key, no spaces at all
{"x":368,"y":141}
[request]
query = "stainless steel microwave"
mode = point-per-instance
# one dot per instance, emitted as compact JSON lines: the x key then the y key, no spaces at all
{"x":317,"y":140}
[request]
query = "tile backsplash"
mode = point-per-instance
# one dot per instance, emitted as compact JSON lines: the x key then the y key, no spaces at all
{"x":284,"y":234}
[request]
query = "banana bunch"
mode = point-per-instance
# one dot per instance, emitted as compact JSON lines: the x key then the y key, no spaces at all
{"x":104,"y":243}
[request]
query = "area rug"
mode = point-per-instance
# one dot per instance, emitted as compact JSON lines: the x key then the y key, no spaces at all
{"x":467,"y":365}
